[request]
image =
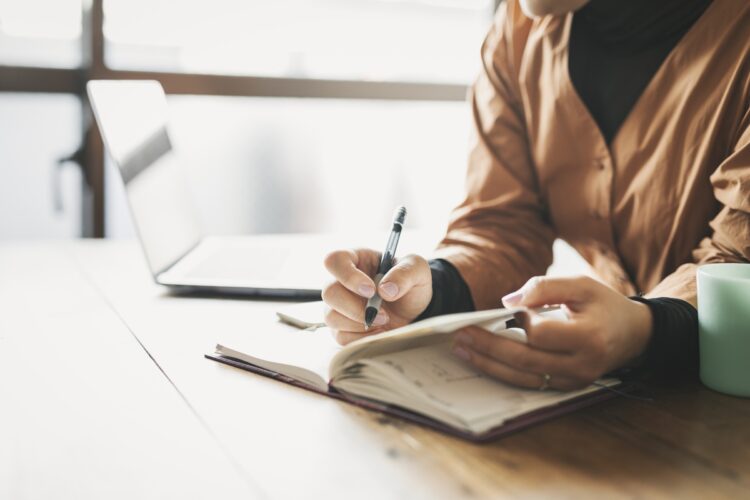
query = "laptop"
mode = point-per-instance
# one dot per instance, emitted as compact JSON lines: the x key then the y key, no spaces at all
{"x":132,"y":118}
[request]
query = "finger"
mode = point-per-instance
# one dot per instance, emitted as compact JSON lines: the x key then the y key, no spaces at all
{"x":345,"y":265}
{"x":553,"y":334}
{"x":337,"y":297}
{"x":346,"y":337}
{"x":511,"y":375}
{"x":498,"y":370}
{"x":338,"y":321}
{"x":540,"y":291}
{"x":515,"y":354}
{"x":410,"y":271}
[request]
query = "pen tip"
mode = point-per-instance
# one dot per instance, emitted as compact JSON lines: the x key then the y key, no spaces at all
{"x":370,"y":314}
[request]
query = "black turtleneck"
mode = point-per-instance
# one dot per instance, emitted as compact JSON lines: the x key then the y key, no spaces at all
{"x":617,"y":46}
{"x":615,"y":49}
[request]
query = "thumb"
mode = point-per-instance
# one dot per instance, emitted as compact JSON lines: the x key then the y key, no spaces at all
{"x":409,"y":271}
{"x":540,"y":291}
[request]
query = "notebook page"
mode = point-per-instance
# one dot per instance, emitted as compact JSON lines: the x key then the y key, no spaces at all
{"x":430,"y":377}
{"x":413,"y":334}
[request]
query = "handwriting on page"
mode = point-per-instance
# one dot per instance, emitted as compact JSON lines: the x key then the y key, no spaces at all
{"x":437,"y":370}
{"x":451,"y":383}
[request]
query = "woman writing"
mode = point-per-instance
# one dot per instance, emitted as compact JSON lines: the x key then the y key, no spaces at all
{"x":620,"y":127}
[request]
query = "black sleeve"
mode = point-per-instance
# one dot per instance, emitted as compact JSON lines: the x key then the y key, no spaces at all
{"x":450,"y":293}
{"x":673,"y":348}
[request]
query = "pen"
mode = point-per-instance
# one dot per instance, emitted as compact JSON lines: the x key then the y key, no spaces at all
{"x":386,"y":262}
{"x":514,"y":323}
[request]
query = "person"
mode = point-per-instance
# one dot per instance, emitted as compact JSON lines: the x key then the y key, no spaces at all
{"x":620,"y":127}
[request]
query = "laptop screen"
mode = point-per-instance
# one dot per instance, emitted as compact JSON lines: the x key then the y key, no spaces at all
{"x":132,"y":117}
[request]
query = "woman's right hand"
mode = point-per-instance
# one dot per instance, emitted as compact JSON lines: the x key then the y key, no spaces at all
{"x":406,"y":291}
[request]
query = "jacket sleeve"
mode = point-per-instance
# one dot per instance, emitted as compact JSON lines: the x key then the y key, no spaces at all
{"x":729,"y":239}
{"x":499,"y":236}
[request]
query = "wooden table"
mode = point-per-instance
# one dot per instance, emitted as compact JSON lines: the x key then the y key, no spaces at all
{"x":105,"y":394}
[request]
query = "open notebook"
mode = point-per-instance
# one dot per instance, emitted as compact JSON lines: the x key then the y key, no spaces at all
{"x":409,"y":372}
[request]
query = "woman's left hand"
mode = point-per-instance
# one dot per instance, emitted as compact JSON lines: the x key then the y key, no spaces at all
{"x":604,"y":331}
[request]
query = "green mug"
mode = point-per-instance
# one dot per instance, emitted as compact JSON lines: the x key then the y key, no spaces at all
{"x":724,"y":326}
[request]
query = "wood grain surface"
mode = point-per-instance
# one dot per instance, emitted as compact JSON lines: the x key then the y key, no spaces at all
{"x":260,"y":438}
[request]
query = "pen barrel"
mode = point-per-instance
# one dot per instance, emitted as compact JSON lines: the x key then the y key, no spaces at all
{"x":375,"y":300}
{"x":386,"y":260}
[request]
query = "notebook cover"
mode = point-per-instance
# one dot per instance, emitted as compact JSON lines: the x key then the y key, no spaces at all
{"x":510,"y":426}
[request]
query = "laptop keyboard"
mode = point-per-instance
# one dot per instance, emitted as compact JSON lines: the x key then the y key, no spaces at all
{"x":240,"y":262}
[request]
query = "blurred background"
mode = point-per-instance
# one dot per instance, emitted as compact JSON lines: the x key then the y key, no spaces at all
{"x":284,"y":111}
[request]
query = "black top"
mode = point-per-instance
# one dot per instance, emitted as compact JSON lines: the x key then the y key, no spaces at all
{"x":615,"y":48}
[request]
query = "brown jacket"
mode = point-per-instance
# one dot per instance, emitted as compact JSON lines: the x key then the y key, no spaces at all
{"x":671,"y":191}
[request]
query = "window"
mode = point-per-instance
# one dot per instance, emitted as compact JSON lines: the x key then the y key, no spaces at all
{"x":374,"y":40}
{"x":382,"y":80}
{"x":44,"y":33}
{"x":38,"y":197}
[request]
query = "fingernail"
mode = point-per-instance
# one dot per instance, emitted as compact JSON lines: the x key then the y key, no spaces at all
{"x":461,"y":353}
{"x":366,"y":291}
{"x":513,"y":298}
{"x":380,"y":320}
{"x":464,"y":338}
{"x":389,"y":289}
